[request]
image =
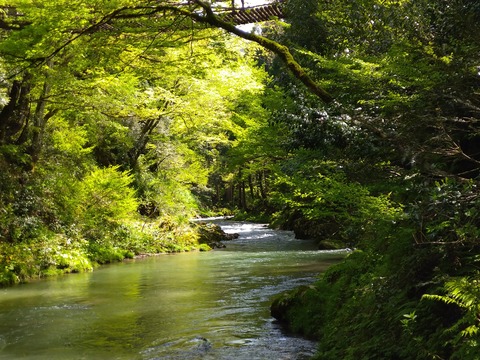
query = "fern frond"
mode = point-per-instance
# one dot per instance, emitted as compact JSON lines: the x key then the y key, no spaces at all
{"x":443,"y":298}
{"x":470,"y":331}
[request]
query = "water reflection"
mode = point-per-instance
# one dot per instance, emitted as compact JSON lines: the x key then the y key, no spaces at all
{"x":187,"y":306}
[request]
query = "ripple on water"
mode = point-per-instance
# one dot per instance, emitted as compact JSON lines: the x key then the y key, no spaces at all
{"x":209,"y":306}
{"x":247,"y":348}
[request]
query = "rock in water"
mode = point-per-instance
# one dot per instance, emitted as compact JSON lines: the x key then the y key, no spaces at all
{"x":213,"y":235}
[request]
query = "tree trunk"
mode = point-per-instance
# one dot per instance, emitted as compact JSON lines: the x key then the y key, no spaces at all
{"x":250,"y":185}
{"x":14,"y":116}
{"x":260,"y":177}
{"x":241,"y":195}
{"x":39,"y":122}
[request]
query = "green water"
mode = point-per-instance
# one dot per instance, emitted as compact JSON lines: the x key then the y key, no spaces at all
{"x":212,"y":305}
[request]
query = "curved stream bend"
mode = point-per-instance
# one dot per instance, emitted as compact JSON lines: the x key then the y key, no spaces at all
{"x":212,"y":305}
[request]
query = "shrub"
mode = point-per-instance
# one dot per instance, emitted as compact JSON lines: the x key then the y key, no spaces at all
{"x":105,"y":200}
{"x":330,"y":208}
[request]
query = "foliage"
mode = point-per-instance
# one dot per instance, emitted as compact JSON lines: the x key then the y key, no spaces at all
{"x":50,"y":255}
{"x":322,"y":204}
{"x":462,"y":292}
{"x":379,"y":290}
{"x":105,"y":197}
{"x":446,"y":213}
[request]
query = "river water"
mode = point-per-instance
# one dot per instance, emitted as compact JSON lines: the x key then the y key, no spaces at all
{"x":200,"y":305}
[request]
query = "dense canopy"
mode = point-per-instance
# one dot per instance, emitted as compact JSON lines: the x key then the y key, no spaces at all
{"x":353,"y":123}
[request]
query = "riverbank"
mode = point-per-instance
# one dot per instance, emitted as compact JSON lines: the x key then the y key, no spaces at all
{"x":58,"y":254}
{"x":391,"y":304}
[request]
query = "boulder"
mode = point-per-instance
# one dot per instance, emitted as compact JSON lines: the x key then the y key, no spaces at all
{"x":213,"y":235}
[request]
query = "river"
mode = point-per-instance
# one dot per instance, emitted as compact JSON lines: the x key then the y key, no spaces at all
{"x":199,"y":305}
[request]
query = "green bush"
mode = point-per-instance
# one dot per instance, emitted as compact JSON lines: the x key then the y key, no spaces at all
{"x":329,"y":208}
{"x":49,"y":254}
{"x":105,"y":196}
{"x":104,"y":254}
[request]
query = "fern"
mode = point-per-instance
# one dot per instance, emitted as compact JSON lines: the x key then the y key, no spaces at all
{"x":445,"y":299}
{"x":463,"y":292}
{"x":470,"y":331}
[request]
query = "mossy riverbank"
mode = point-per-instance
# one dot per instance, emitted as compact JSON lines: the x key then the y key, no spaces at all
{"x":58,"y":254}
{"x":386,"y":306}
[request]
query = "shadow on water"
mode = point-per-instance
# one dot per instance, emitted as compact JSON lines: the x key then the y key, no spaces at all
{"x":211,"y":305}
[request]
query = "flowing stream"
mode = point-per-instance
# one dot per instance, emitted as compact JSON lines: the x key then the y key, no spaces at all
{"x":212,"y":305}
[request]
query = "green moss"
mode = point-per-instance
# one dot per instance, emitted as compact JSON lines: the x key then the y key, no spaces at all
{"x":300,"y":310}
{"x":204,"y":247}
{"x":105,"y":254}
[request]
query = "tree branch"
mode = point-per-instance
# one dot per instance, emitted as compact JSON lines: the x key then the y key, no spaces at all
{"x":281,"y":50}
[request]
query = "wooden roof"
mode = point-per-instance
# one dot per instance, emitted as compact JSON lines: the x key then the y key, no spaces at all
{"x":253,"y":14}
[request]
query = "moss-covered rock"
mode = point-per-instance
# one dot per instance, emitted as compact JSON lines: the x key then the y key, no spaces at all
{"x":294,"y":310}
{"x":213,"y":235}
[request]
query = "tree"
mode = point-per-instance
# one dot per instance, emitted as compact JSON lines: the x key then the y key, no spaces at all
{"x":120,"y":104}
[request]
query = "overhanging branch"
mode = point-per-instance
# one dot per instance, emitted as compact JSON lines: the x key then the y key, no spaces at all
{"x":201,"y":12}
{"x":282,"y":51}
